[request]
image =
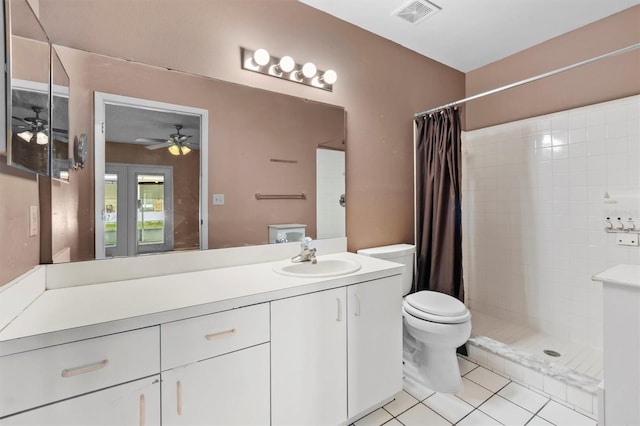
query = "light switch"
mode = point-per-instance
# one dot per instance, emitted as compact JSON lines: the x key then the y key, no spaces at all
{"x":627,"y":239}
{"x":218,"y":199}
{"x":33,"y":221}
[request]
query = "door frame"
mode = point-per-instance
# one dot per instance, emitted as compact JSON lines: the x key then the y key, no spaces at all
{"x":101,"y":99}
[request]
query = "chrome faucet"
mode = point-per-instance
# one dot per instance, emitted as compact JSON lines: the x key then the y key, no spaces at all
{"x":307,"y":254}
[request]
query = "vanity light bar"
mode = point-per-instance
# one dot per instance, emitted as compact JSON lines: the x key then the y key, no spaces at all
{"x":286,"y":68}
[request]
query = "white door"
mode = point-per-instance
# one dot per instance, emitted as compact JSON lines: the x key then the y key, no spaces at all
{"x":330,"y":193}
{"x":375,"y":342}
{"x":134,"y":403}
{"x":138,"y":209}
{"x":231,"y":389}
{"x":309,"y":359}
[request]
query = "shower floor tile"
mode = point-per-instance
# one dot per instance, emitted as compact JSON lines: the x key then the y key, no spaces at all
{"x":582,"y":359}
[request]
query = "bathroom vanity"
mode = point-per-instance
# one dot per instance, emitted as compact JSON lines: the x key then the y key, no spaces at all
{"x":217,"y":344}
{"x":621,"y":328}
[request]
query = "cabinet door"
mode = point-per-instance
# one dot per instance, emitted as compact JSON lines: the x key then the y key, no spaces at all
{"x":375,"y":342}
{"x":135,"y":403}
{"x":231,"y":389}
{"x":308,"y":353}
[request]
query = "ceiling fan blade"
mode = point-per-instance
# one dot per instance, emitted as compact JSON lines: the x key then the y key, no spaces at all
{"x":158,"y":146}
{"x":153,"y":140}
{"x":20,"y":119}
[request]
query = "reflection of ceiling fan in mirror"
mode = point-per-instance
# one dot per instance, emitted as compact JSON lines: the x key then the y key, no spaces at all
{"x":32,"y":128}
{"x":36,"y":128}
{"x":176,"y":143}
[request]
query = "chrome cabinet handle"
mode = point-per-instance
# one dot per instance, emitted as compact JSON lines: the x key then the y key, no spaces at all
{"x":339,"y":318}
{"x":357,"y":304}
{"x":70,"y":372}
{"x":142,"y":410}
{"x":179,"y":386}
{"x":220,"y":335}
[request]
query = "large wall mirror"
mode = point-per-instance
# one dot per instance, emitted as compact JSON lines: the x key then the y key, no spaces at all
{"x":28,"y":73}
{"x":223,"y":144}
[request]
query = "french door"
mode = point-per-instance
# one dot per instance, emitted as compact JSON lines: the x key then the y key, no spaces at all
{"x":138,"y":209}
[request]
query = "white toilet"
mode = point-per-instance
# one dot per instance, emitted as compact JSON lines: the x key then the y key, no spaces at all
{"x":435,"y":325}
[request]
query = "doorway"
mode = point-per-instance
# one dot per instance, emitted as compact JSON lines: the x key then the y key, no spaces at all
{"x":144,"y":118}
{"x":138,"y":209}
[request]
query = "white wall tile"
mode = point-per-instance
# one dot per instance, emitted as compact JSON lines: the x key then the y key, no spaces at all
{"x":580,"y":399}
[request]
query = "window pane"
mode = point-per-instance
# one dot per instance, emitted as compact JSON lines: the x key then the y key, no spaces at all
{"x":110,"y":209}
{"x":150,"y":227}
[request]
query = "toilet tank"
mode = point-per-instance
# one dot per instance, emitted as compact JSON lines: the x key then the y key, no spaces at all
{"x":399,"y":253}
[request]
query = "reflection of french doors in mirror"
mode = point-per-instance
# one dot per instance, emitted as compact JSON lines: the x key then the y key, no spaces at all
{"x":138,"y":209}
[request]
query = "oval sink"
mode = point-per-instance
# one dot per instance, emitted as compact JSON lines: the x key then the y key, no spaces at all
{"x":323,"y":268}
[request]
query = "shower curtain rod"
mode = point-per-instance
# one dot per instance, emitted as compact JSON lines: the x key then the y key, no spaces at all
{"x":529,"y":80}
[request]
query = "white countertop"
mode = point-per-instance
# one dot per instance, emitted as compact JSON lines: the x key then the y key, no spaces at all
{"x":628,"y":275}
{"x":72,"y":313}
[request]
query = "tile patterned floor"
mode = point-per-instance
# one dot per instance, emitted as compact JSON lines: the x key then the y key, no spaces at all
{"x":485,"y":399}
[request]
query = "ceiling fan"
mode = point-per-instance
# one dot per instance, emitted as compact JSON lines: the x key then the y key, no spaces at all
{"x":32,"y":127}
{"x":176,"y":143}
{"x":36,"y":128}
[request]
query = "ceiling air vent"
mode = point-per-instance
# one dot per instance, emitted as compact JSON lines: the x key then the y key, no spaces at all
{"x":416,"y":11}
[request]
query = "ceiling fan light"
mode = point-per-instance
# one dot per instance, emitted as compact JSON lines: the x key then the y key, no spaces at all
{"x":42,"y":138}
{"x":25,"y":135}
{"x":185,"y":149}
{"x":174,"y":150}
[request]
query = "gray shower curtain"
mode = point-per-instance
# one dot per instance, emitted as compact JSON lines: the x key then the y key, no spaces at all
{"x":439,"y":223}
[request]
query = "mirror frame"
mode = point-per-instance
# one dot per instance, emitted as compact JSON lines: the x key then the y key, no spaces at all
{"x":100,"y":102}
{"x":4,"y":27}
{"x":59,"y":167}
{"x":28,"y":85}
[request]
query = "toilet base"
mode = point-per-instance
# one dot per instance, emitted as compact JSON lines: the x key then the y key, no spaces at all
{"x":436,"y":368}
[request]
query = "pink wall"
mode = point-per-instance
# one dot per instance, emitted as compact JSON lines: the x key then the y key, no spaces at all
{"x":605,"y":80}
{"x":18,"y":251}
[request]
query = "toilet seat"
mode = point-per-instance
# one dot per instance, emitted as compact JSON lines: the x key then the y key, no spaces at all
{"x":436,"y":307}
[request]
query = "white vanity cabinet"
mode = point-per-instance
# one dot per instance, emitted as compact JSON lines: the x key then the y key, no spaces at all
{"x":216,"y":369}
{"x":337,"y":353}
{"x":308,"y":359}
{"x":71,"y":377}
{"x":135,"y":403}
{"x":374,"y":344}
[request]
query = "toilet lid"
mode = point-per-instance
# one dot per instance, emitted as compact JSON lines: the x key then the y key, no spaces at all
{"x":437,"y":305}
{"x":407,"y":309}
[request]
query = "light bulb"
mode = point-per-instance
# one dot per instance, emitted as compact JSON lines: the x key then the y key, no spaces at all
{"x":42,"y":138}
{"x":26,"y":135}
{"x":309,"y":70}
{"x":261,"y":57}
{"x":286,"y":64}
{"x":329,"y":77}
{"x":174,"y":150}
{"x":185,"y":149}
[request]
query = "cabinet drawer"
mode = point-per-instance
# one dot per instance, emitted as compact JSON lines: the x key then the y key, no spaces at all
{"x":33,"y":378}
{"x":194,"y":339}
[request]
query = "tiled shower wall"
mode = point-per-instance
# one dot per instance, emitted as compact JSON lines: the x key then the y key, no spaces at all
{"x":533,"y":215}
